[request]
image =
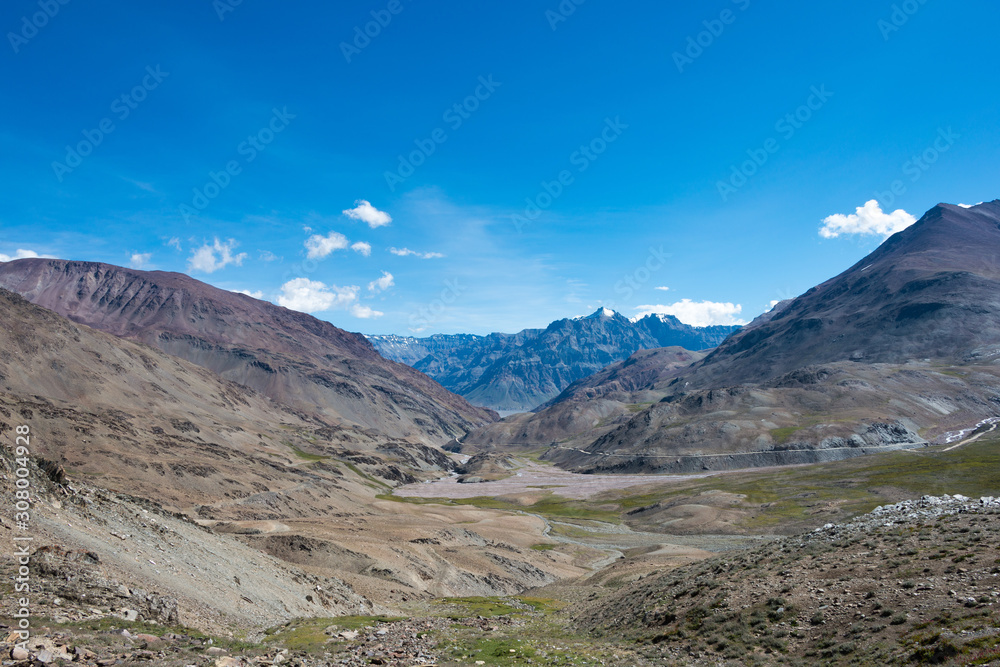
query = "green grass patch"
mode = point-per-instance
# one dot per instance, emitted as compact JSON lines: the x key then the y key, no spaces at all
{"x":308,"y":634}
{"x":543,"y":547}
{"x":553,"y":506}
{"x":471,"y":607}
{"x":488,"y":607}
{"x":543,"y":605}
{"x":788,"y":499}
{"x":305,"y":456}
{"x":368,"y":478}
{"x":784,"y":434}
{"x":500,"y":651}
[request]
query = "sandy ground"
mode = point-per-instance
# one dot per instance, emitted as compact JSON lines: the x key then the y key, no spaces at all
{"x":534,"y":477}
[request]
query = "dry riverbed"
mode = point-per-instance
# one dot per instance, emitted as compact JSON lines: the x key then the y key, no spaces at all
{"x":534,"y":477}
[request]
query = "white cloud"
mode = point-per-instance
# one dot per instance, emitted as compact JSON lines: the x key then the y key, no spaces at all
{"x":139,"y":260}
{"x":868,"y":220}
{"x":369,"y":214}
{"x":697,"y":313}
{"x":364,"y":312}
{"x":382,"y":284}
{"x":969,"y":205}
{"x":21,"y":253}
{"x":257,"y":295}
{"x":321,"y":246}
{"x":217,"y":255}
{"x":406,"y":252}
{"x":662,"y":289}
{"x":268,"y":256}
{"x":175,"y":243}
{"x":312,"y":296}
{"x":362,"y":248}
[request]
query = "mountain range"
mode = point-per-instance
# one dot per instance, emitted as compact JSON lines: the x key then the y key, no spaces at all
{"x":204,"y":458}
{"x":272,"y":431}
{"x":895,"y":352}
{"x":518,"y":372}
{"x":288,"y":356}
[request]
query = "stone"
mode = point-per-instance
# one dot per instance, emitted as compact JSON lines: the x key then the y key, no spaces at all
{"x":83,"y":654}
{"x":215,"y":650}
{"x":130,"y":615}
{"x":18,"y":653}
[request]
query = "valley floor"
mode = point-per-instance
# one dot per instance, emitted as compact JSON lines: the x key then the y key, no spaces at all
{"x":685,"y":570}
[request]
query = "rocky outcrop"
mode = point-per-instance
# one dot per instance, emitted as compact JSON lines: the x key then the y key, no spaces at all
{"x":909,"y":583}
{"x":76,"y":577}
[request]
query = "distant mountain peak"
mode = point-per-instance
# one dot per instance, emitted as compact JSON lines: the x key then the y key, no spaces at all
{"x":664,"y":317}
{"x":601,"y":312}
{"x":518,"y":372}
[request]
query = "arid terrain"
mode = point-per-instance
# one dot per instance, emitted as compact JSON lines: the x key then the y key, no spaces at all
{"x":121,"y":580}
{"x":208,"y":479}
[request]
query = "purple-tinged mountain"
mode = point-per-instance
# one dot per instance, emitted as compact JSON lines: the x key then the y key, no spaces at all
{"x":293,"y":358}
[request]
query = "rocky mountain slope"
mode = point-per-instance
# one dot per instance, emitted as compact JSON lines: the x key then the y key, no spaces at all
{"x":291,"y":357}
{"x":518,"y":372}
{"x":910,"y":583}
{"x":591,"y":405}
{"x":928,"y":292}
{"x":894,"y":352}
{"x":120,"y":430}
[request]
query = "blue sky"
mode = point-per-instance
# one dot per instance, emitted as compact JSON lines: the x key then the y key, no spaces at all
{"x":501,"y":165}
